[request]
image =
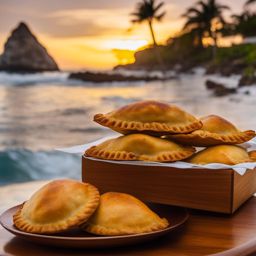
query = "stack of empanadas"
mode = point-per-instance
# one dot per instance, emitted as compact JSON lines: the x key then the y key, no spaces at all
{"x":143,"y":124}
{"x":160,"y":132}
{"x":65,"y":204}
{"x":220,"y":137}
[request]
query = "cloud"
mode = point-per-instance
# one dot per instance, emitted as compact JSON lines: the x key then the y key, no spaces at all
{"x":78,"y":18}
{"x":87,"y":22}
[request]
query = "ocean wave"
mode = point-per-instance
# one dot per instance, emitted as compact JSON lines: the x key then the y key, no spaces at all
{"x":22,"y":165}
{"x":32,"y":79}
{"x":248,"y":90}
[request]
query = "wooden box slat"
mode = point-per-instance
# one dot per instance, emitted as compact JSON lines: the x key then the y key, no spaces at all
{"x":212,"y":190}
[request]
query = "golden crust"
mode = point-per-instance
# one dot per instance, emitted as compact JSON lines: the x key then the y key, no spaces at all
{"x":123,"y":214}
{"x":252,"y":155}
{"x":57,"y":206}
{"x":225,"y":154}
{"x":215,"y":131}
{"x":150,"y":117}
{"x":140,"y":147}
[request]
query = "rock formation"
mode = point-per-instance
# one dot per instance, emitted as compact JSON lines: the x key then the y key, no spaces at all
{"x":98,"y":77}
{"x":23,"y":53}
{"x":219,"y":89}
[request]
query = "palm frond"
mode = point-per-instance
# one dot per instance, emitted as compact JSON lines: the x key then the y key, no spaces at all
{"x":160,"y":16}
{"x":202,"y":4}
{"x":193,"y":10}
{"x":136,"y":21}
{"x":249,"y":2}
{"x":147,"y":10}
{"x":134,"y":14}
{"x":161,"y":4}
{"x":224,"y":7}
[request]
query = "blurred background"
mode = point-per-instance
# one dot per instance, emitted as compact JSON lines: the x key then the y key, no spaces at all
{"x":61,"y":62}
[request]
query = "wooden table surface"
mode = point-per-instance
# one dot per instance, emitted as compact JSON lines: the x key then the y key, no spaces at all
{"x":203,"y":234}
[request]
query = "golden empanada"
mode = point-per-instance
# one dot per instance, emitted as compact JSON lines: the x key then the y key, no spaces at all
{"x":149,"y":117}
{"x":225,"y":154}
{"x":215,"y":131}
{"x":123,"y":214}
{"x":252,"y":155}
{"x":57,"y":206}
{"x":140,"y":147}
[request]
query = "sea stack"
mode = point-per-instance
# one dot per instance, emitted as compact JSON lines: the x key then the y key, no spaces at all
{"x":23,"y":53}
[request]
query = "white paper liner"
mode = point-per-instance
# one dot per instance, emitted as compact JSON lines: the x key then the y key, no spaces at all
{"x":239,"y":168}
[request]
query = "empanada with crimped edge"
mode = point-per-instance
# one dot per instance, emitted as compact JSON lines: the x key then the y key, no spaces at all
{"x":150,"y":117}
{"x":57,"y":206}
{"x":225,"y":154}
{"x":123,"y":214}
{"x":215,"y":131}
{"x":140,"y":147}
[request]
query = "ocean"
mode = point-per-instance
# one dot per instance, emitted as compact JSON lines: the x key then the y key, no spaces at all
{"x":44,"y":111}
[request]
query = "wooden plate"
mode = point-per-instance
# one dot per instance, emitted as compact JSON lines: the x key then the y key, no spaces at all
{"x":80,"y":239}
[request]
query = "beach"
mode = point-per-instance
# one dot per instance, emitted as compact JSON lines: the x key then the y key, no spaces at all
{"x":43,"y":111}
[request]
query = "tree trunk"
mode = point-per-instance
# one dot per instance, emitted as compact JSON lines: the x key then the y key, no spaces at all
{"x":156,"y":50}
{"x":152,"y":32}
{"x":215,"y":45}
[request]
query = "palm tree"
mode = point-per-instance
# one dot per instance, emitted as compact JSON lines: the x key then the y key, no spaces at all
{"x":148,"y":10}
{"x":248,"y":2}
{"x":247,"y":6}
{"x":203,"y":18}
{"x":245,"y":23}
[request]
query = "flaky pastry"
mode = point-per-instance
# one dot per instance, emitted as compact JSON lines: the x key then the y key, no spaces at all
{"x":149,"y":117}
{"x":140,"y":147}
{"x":57,"y":206}
{"x":252,"y":155}
{"x":215,"y":131}
{"x":225,"y":154}
{"x":123,"y":214}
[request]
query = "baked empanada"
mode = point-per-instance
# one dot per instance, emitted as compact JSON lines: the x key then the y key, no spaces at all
{"x":149,"y":117}
{"x":215,"y":131}
{"x":225,"y":154}
{"x":123,"y":214}
{"x":140,"y":147}
{"x":57,"y":206}
{"x":252,"y":155}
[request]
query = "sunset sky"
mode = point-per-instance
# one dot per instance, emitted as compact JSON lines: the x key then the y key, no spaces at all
{"x":81,"y":34}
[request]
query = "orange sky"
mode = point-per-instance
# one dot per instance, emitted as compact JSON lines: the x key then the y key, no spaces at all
{"x":82,"y":34}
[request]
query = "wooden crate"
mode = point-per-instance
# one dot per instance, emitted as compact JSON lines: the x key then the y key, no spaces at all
{"x":212,"y":190}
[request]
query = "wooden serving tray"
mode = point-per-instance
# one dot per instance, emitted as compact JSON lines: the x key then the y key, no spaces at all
{"x":212,"y":190}
{"x":203,"y":234}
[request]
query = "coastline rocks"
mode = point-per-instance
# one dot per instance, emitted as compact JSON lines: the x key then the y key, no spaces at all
{"x":247,"y":81}
{"x":23,"y":53}
{"x":98,"y":77}
{"x":219,"y":89}
{"x":227,"y":69}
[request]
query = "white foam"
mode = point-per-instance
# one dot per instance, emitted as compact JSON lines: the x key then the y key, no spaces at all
{"x":35,"y":78}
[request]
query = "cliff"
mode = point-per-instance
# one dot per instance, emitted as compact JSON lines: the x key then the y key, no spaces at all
{"x":23,"y":53}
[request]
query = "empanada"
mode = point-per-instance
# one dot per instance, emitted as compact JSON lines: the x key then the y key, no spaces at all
{"x":123,"y":214}
{"x":215,"y":131}
{"x":140,"y":147}
{"x":225,"y":154}
{"x":149,"y":117}
{"x":57,"y":206}
{"x":252,"y":155}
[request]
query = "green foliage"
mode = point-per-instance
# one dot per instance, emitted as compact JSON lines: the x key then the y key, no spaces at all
{"x":180,"y":52}
{"x":249,"y":71}
{"x":244,"y":52}
{"x":245,"y":24}
{"x":174,"y":54}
